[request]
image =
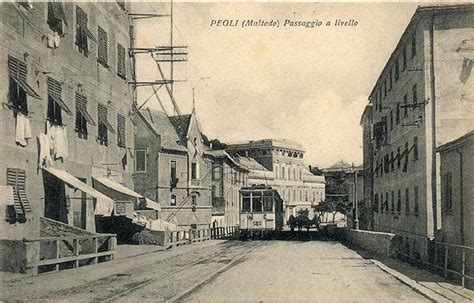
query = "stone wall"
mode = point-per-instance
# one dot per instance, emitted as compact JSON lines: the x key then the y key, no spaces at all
{"x":51,"y":228}
{"x":15,"y":255}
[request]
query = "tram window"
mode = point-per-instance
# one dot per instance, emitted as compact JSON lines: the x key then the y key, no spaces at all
{"x":267,"y":202}
{"x":257,"y":203}
{"x":245,"y":203}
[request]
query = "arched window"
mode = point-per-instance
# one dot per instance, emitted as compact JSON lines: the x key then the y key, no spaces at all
{"x":294,"y":173}
{"x":276,"y":169}
{"x":283,"y":172}
{"x":301,"y":174}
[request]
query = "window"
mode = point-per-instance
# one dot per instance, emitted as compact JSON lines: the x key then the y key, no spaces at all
{"x":306,"y":195}
{"x":415,"y":148}
{"x":391,"y":120}
{"x":55,"y":102}
{"x":216,"y":172}
{"x":267,"y":202}
{"x":377,"y":169}
{"x":104,"y":125}
{"x":283,"y":173}
{"x":399,"y":158}
{"x":386,"y":163}
{"x":415,"y":192}
{"x":121,"y":138}
{"x":102,"y":49}
{"x":405,"y":153}
{"x":121,"y":67}
{"x":392,"y":161}
{"x":390,"y":79}
{"x":194,"y":202}
{"x":56,"y":17}
{"x":245,"y":202}
{"x":404,"y":58}
{"x":173,"y":171}
{"x":399,"y":202}
{"x":414,"y":94}
{"x":392,"y":195}
{"x":173,"y":200}
{"x":140,"y":160}
{"x":407,"y":201}
{"x":301,"y":174}
{"x":17,"y":178}
{"x":82,"y":116}
{"x":413,"y":45}
{"x":405,"y":106}
{"x":82,"y":32}
{"x":257,"y":206}
{"x":376,"y":203}
{"x":397,"y":69}
{"x":397,"y":115}
{"x":194,"y":171}
{"x":386,"y":202}
{"x":19,"y":88}
{"x":448,"y":196}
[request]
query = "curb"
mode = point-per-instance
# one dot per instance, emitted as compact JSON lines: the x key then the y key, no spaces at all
{"x":428,"y":293}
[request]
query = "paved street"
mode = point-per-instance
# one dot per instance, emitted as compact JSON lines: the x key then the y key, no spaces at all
{"x":217,"y":271}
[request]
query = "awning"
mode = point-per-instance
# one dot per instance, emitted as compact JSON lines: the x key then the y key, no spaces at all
{"x":124,"y":190}
{"x":104,"y":205}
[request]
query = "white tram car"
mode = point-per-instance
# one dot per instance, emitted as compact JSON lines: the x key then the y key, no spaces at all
{"x":261,"y":210}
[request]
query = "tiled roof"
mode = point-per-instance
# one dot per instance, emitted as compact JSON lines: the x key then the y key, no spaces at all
{"x":162,"y":125}
{"x":181,"y":124}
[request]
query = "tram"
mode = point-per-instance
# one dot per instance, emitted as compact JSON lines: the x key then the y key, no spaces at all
{"x":261,"y":210}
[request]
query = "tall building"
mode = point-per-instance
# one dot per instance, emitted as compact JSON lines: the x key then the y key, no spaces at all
{"x":228,"y":177}
{"x":171,"y":167}
{"x":419,"y":102}
{"x":279,"y":163}
{"x":65,"y":114}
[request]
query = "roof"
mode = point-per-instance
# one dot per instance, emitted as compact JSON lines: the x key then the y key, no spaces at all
{"x":456,"y":142}
{"x":161,"y":124}
{"x":256,"y":170}
{"x":341,"y":165}
{"x":283,"y":143}
{"x":181,"y":125}
{"x":223,"y":154}
{"x":312,"y":178}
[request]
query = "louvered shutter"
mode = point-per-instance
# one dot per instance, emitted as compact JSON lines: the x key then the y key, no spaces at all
{"x":57,"y":11}
{"x":54,"y":91}
{"x":82,"y":23}
{"x":102,"y":47}
{"x":121,"y":69}
{"x":18,"y":72}
{"x":17,"y":178}
{"x":121,"y":130}
{"x":102,"y":115}
{"x":81,"y":106}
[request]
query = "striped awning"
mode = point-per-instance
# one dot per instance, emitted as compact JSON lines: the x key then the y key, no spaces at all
{"x":18,"y":72}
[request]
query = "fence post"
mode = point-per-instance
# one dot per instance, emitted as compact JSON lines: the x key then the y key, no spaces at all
{"x":75,"y":247}
{"x":463,"y":266}
{"x":445,"y":261}
{"x":57,"y":255}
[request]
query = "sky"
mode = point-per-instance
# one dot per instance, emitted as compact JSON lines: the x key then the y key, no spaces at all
{"x":305,"y":84}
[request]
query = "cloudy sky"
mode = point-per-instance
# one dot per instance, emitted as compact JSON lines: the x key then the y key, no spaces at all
{"x":305,"y":84}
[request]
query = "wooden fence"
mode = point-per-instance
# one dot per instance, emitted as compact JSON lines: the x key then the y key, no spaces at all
{"x":224,"y":232}
{"x":57,"y":253}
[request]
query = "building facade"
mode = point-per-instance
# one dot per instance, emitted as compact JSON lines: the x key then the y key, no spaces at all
{"x":457,"y":190}
{"x":228,"y":177}
{"x":279,"y":163}
{"x":418,"y":103}
{"x":64,"y":117}
{"x":171,"y":167}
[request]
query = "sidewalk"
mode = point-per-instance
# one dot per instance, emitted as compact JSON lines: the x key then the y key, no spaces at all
{"x":425,"y":282}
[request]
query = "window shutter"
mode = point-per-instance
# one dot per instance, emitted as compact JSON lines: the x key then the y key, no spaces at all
{"x":81,"y":106}
{"x":17,"y":178}
{"x":102,"y":115}
{"x":54,"y":90}
{"x":82,"y":23}
{"x":121,"y":69}
{"x":121,"y":130}
{"x":57,"y":11}
{"x":17,"y":69}
{"x":102,"y":47}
